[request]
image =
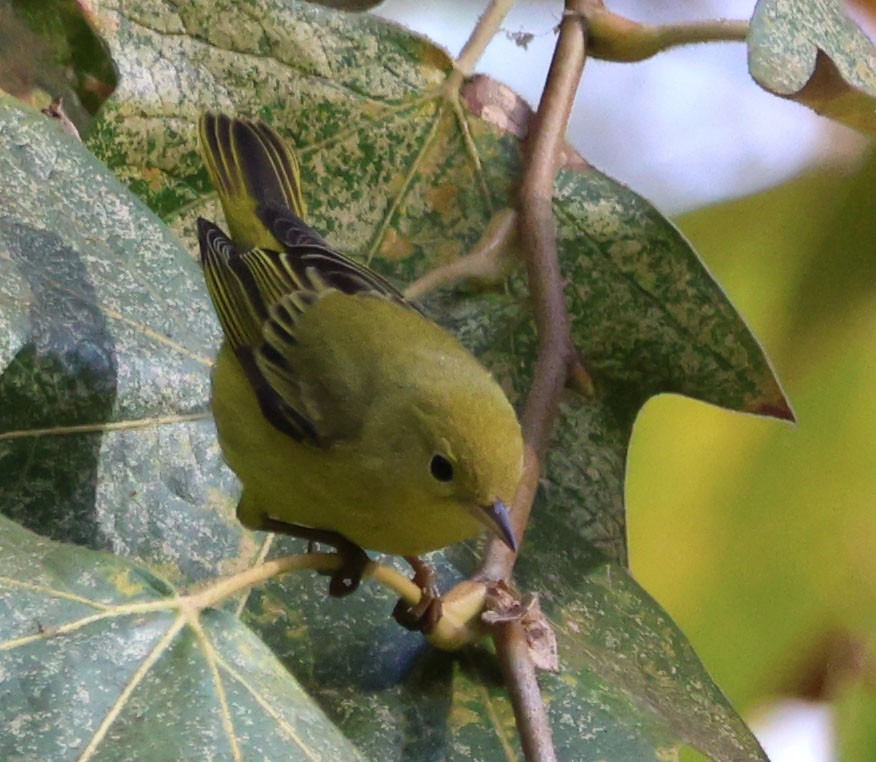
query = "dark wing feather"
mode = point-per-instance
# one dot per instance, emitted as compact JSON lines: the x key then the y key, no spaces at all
{"x":243,"y":286}
{"x":249,"y":160}
{"x":259,"y":295}
{"x":310,"y":251}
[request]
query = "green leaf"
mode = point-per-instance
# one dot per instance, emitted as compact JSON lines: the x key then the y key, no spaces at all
{"x":105,"y":434}
{"x":100,"y":651}
{"x":406,"y":176}
{"x":813,"y":53}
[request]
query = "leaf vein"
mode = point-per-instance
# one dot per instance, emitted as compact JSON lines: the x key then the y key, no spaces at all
{"x":263,"y":703}
{"x":125,"y":695}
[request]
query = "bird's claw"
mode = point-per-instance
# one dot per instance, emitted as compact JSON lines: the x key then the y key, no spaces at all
{"x":346,"y":579}
{"x":424,"y":615}
{"x":421,"y":617}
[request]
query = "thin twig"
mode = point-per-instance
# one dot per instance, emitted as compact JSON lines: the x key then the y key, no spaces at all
{"x":451,"y":632}
{"x":483,"y":33}
{"x":491,"y":260}
{"x":556,"y":357}
{"x":520,"y":677}
{"x":225,"y":587}
{"x":538,"y":240}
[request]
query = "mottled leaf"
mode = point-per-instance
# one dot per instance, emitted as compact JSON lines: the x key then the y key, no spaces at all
{"x":105,"y":350}
{"x":102,"y":653}
{"x":405,"y":175}
{"x":813,"y":53}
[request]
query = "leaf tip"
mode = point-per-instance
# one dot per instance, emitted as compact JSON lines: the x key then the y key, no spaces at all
{"x":780,"y":409}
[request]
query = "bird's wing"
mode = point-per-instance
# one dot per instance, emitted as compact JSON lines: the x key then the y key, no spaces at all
{"x":259,"y":296}
{"x":250,"y":164}
{"x":311,"y":251}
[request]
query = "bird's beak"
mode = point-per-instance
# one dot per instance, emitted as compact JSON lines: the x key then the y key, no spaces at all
{"x":497,"y":519}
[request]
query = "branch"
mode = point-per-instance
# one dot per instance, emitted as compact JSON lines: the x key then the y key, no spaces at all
{"x":520,"y":677}
{"x":226,"y":587}
{"x":452,"y":632}
{"x":537,"y":230}
{"x":554,"y":363}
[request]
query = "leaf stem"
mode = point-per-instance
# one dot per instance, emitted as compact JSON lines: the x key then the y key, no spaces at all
{"x":615,"y":38}
{"x":556,"y":355}
{"x":226,"y":587}
{"x":484,"y":31}
{"x":451,"y":632}
{"x":711,"y":30}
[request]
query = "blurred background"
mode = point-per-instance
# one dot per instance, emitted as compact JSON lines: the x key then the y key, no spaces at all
{"x":756,"y":536}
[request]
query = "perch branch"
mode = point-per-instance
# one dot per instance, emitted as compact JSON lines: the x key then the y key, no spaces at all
{"x":227,"y":587}
{"x":522,"y":682}
{"x":450,"y":633}
{"x":555,"y":360}
{"x":556,"y":354}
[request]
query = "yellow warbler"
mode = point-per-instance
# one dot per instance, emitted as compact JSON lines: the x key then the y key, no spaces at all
{"x":341,"y":408}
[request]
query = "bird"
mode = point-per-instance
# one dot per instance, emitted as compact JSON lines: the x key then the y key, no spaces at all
{"x":349,"y":416}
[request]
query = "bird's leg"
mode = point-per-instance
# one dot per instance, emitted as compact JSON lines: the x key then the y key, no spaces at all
{"x":425,"y":615}
{"x":346,"y":579}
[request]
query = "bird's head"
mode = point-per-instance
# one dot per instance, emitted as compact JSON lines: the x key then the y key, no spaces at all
{"x":470,"y":448}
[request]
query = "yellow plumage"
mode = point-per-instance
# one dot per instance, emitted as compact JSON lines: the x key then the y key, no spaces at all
{"x":338,"y":404}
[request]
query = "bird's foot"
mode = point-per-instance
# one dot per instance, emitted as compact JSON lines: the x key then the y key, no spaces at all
{"x":346,"y":579}
{"x":422,"y":617}
{"x":353,"y":559}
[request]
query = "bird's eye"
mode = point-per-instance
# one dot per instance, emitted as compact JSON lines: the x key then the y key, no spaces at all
{"x":441,"y":468}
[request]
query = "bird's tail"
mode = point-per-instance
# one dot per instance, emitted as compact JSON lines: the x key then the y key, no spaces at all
{"x":251,"y":166}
